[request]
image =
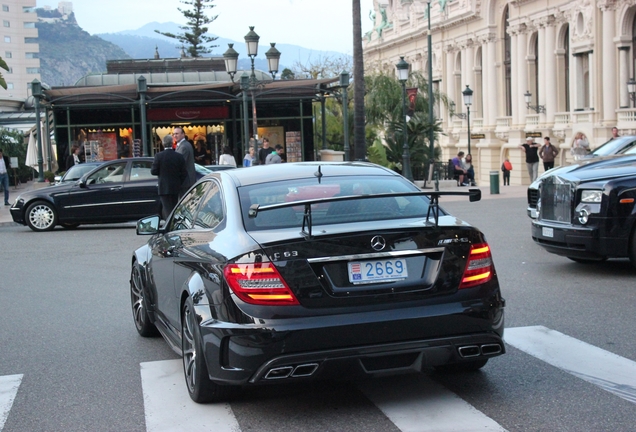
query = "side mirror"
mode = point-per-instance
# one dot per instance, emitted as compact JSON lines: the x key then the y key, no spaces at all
{"x":82,"y":183}
{"x":148,"y":225}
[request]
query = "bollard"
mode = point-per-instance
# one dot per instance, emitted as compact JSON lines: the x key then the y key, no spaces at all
{"x":494,"y":182}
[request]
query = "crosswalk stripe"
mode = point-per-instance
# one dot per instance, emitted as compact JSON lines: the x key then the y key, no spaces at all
{"x":169,"y":408}
{"x":9,"y":385}
{"x":417,"y":403}
{"x":607,"y":370}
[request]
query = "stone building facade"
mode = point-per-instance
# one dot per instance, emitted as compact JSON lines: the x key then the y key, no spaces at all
{"x":575,"y":58}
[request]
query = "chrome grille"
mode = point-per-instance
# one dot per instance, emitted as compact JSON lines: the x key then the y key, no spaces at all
{"x":556,"y":202}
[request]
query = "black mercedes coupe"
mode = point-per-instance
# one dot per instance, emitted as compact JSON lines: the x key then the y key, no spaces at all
{"x":284,"y":273}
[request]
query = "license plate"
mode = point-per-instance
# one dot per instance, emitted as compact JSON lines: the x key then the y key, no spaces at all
{"x":361,"y":272}
{"x":547,"y":232}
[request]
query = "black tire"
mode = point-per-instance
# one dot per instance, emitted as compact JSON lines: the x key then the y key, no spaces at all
{"x":41,"y":216}
{"x":139,"y":305}
{"x":69,"y":226}
{"x":200,"y":388}
{"x":469,"y":366}
{"x":586,"y":260}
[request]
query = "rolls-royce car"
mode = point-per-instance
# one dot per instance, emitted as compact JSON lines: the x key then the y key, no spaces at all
{"x":302,"y":271}
{"x":587,"y":213}
{"x":120,"y":190}
{"x":618,"y":147}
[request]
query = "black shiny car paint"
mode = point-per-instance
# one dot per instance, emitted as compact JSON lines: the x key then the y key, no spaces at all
{"x":339,"y":328}
{"x":611,"y":229}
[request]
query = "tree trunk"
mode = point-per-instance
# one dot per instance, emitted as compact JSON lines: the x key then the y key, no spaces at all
{"x":359,"y":141}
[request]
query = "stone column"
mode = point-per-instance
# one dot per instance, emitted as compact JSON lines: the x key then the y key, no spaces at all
{"x":492,"y":98}
{"x":543,"y":77}
{"x":623,"y":75}
{"x":550,"y":82}
{"x":522,"y":73}
{"x":514,"y":73}
{"x":450,"y":79}
{"x":608,"y":71}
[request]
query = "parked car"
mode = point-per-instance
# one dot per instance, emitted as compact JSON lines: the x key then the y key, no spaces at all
{"x":587,"y":213}
{"x":120,"y":190}
{"x":623,"y":146}
{"x":219,"y":167}
{"x":361,"y":274}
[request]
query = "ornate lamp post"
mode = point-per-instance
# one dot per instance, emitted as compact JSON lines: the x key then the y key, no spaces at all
{"x":344,"y":86}
{"x":251,"y":84}
{"x":431,"y":132}
{"x":468,"y":101}
{"x":403,"y":75}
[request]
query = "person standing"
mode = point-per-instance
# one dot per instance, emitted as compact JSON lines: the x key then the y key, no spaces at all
{"x":506,"y":167}
{"x":249,"y":158}
{"x":274,"y":156}
{"x":531,"y":149}
{"x":185,"y":149}
{"x":467,"y":165}
{"x":547,"y":153}
{"x":73,"y":158}
{"x":5,"y":166}
{"x":264,"y":152}
{"x":614,"y":133}
{"x":227,"y":158}
{"x":170,"y":167}
{"x":580,"y":146}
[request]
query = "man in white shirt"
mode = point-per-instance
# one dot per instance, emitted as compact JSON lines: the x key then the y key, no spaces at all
{"x":5,"y":165}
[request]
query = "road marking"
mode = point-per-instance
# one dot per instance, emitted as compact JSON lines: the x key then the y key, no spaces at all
{"x":411,"y":401}
{"x":9,"y":385}
{"x":609,"y":371}
{"x":169,"y":408}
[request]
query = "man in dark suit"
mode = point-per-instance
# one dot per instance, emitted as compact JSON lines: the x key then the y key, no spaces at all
{"x":187,"y":151}
{"x":170,"y":166}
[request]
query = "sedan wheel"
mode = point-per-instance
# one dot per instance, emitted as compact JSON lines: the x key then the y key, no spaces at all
{"x":41,"y":216}
{"x":200,"y":387}
{"x":139,"y":305}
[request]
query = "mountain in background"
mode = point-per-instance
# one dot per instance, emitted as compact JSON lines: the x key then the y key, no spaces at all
{"x":67,"y":53}
{"x":141,"y":43}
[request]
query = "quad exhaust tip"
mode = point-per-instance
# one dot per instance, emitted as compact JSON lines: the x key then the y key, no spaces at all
{"x":469,"y":351}
{"x":298,"y":371}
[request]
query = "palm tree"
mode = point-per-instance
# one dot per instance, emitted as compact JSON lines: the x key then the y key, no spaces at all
{"x":359,"y":142}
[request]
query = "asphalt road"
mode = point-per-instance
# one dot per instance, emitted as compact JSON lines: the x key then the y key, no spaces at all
{"x":66,"y":329}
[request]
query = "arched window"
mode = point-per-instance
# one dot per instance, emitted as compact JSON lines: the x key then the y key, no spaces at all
{"x":507,"y":63}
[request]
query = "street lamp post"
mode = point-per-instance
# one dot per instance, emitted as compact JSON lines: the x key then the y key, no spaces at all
{"x":142,"y":88}
{"x":251,"y":83}
{"x":36,"y":91}
{"x":536,"y":108}
{"x":431,"y":132}
{"x":344,"y":86}
{"x":403,"y":75}
{"x":468,"y":101}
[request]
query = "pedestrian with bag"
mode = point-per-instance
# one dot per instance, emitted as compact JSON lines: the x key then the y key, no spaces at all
{"x":506,"y":167}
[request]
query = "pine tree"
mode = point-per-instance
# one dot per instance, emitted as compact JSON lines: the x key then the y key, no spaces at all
{"x":194,"y":37}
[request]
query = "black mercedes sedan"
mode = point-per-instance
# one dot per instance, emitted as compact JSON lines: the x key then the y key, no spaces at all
{"x":120,"y":190}
{"x":587,"y":213}
{"x":321,"y":269}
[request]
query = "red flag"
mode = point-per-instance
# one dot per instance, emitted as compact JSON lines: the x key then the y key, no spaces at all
{"x":412,"y":95}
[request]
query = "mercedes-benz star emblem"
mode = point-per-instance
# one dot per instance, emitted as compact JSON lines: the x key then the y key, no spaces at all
{"x":378,"y":243}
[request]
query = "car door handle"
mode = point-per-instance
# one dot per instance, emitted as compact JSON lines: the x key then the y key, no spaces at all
{"x":116,"y":188}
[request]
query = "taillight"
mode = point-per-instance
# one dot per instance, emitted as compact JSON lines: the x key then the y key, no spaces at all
{"x":259,"y":283}
{"x":479,"y":267}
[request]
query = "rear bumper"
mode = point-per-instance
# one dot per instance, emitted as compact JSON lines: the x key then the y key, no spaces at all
{"x":333,"y":348}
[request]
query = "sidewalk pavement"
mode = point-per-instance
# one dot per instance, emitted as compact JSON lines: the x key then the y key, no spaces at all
{"x":504,"y":192}
{"x":5,"y":214}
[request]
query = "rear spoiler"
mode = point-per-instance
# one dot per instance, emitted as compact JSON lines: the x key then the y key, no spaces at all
{"x":433,"y":209}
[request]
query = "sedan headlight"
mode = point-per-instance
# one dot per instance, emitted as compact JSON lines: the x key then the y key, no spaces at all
{"x":591,"y":196}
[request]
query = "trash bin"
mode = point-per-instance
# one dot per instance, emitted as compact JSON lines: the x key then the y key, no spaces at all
{"x":494,"y":182}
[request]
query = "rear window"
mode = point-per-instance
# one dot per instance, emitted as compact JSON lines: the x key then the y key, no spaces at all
{"x":356,"y":210}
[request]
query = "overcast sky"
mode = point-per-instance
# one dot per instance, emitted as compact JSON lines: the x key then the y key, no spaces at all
{"x":315,"y":24}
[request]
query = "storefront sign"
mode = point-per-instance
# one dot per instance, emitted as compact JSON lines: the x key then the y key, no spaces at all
{"x":477,"y":136}
{"x":533,"y":135}
{"x":187,"y":113}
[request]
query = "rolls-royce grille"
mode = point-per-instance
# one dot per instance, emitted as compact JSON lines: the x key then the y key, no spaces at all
{"x":556,"y":202}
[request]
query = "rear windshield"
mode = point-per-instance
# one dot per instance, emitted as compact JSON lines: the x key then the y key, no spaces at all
{"x":357,"y":210}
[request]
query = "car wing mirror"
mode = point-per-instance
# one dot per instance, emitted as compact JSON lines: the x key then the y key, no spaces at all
{"x":148,"y":225}
{"x":82,"y":183}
